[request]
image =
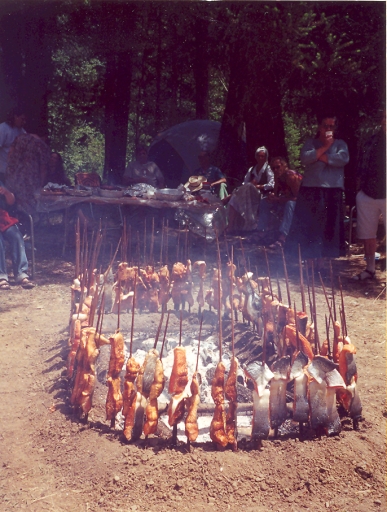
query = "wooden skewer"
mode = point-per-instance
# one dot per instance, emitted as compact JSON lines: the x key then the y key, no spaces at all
{"x":342,"y":308}
{"x":186,"y":244}
{"x":243,"y":255}
{"x":178,"y":244}
{"x":133,"y":308}
{"x":226,"y":244}
{"x":220,"y":300}
{"x":333,"y":290}
{"x":93,"y":305}
{"x":327,"y":332}
{"x":200,"y":337}
{"x":268,"y":273}
{"x":303,"y":302}
{"x":310,"y":300}
{"x":298,"y":344}
{"x":130,"y":245}
{"x":167,"y":244}
{"x":181,"y":326}
{"x":119,"y":304}
{"x":77,"y":248}
{"x":279,"y":290}
{"x":316,"y":338}
{"x":326,"y":298}
{"x":286,"y":277}
{"x":113,"y":258}
{"x":138,"y":250}
{"x":103,"y":311}
{"x":152,"y":242}
{"x":100,"y":308}
{"x":162,"y":243}
{"x":231,"y":302}
{"x":124,"y":241}
{"x":165,"y":334}
{"x":264,"y":341}
{"x":159,"y":328}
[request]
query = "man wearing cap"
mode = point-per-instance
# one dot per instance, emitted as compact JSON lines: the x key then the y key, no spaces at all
{"x":214,"y":176}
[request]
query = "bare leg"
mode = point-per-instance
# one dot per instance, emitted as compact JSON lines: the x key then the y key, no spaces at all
{"x":369,"y":252}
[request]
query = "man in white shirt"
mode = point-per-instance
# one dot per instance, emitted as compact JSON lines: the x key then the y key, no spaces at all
{"x":9,"y":130}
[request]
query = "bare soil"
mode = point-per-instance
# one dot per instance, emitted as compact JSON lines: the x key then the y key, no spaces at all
{"x":50,"y":461}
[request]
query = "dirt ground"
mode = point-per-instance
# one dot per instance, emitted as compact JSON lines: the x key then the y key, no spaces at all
{"x":50,"y":461}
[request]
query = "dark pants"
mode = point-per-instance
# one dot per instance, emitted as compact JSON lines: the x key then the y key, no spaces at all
{"x":318,"y":223}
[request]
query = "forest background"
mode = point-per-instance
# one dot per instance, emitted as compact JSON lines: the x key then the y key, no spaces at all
{"x":98,"y":77}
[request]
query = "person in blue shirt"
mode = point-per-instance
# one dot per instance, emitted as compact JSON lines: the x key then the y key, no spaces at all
{"x":214,"y":177}
{"x":318,"y":221}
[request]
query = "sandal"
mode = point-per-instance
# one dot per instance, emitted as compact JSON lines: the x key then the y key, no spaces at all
{"x":26,"y":283}
{"x":365,"y":275}
{"x":4,"y":284}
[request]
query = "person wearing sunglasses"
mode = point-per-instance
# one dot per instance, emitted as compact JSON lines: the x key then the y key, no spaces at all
{"x":318,"y":221}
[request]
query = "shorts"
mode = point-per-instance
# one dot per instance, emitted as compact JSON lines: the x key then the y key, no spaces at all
{"x":368,"y":213}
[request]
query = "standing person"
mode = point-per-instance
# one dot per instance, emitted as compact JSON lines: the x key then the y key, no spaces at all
{"x":243,"y":206}
{"x":142,"y":170}
{"x":318,"y":222}
{"x":27,"y":168}
{"x":10,"y":232}
{"x":281,"y":202}
{"x":9,"y":130}
{"x":371,"y":198}
{"x":214,"y":176}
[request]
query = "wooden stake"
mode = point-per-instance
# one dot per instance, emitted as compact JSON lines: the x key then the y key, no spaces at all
{"x":181,"y":326}
{"x":268,"y":273}
{"x":162,"y":243}
{"x":316,"y":338}
{"x":231,"y":303}
{"x":298,"y":344}
{"x":220,"y":301}
{"x":326,"y":298}
{"x":167,"y":244}
{"x":279,"y":289}
{"x":100,"y":308}
{"x":77,"y":248}
{"x":145,"y":241}
{"x":327,"y":332}
{"x":178,"y":244}
{"x":133,"y":309}
{"x":119,"y":304}
{"x":286,"y":277}
{"x":342,"y":309}
{"x":165,"y":334}
{"x":152,"y":242}
{"x":130,"y":245}
{"x":200,"y":336}
{"x":303,"y":302}
{"x":333,"y":290}
{"x":186,"y":244}
{"x":159,"y":328}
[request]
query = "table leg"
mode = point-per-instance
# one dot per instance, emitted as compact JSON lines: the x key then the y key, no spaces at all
{"x":66,"y":229}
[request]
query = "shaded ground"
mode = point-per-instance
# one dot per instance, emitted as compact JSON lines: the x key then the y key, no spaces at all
{"x":51,"y":462}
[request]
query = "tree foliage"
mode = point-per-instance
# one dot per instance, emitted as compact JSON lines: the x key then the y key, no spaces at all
{"x":103,"y":76}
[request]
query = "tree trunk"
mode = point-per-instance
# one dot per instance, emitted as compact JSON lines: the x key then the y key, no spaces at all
{"x":200,"y":68}
{"x":264,"y":122}
{"x":117,"y":99}
{"x":230,"y":155}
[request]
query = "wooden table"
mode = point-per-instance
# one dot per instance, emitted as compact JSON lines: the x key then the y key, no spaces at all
{"x":47,"y":203}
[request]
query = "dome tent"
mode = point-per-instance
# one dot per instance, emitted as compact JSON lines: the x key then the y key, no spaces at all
{"x":176,"y":149}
